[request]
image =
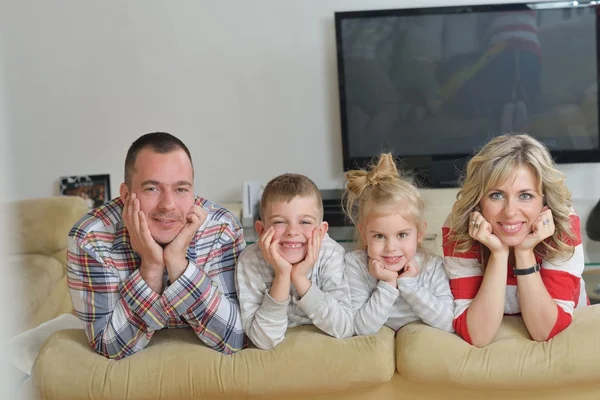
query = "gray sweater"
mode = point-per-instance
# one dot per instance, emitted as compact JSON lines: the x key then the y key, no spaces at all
{"x":326,"y":304}
{"x":425,"y":297}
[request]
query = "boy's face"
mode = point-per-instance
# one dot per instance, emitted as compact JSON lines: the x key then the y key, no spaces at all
{"x":294,"y":223}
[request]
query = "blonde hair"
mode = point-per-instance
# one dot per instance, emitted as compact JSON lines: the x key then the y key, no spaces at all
{"x":382,"y":184}
{"x":287,"y":186}
{"x":491,"y":167}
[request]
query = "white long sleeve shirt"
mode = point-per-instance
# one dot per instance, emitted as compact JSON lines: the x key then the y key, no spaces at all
{"x":326,"y":304}
{"x":375,"y":303}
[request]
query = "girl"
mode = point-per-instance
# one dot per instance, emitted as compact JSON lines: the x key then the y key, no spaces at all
{"x":392,"y":279}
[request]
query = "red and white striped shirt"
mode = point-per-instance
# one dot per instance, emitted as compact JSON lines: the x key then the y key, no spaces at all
{"x":518,"y":29}
{"x":561,"y":278}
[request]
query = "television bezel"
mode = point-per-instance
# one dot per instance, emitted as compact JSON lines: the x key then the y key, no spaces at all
{"x":424,"y":162}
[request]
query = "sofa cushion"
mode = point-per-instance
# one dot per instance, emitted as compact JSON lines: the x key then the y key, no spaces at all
{"x":429,"y":355}
{"x":177,"y":365}
{"x":35,"y":275}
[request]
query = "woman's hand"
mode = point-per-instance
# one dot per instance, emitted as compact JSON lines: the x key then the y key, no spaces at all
{"x":481,"y":230}
{"x":541,"y":229}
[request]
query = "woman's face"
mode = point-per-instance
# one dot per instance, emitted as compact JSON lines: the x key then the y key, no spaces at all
{"x":512,"y":207}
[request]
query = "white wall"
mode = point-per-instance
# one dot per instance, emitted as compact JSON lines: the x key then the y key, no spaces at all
{"x":250,"y":86}
{"x":9,"y":295}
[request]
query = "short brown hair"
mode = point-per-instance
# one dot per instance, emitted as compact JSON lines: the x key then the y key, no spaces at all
{"x":159,"y":142}
{"x":287,"y":186}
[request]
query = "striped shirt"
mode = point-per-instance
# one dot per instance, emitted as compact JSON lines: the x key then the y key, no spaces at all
{"x":516,"y":28}
{"x":326,"y":304}
{"x":375,"y":303}
{"x":561,"y":278}
{"x":120,"y":312}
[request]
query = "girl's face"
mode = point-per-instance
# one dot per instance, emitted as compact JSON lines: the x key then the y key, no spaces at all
{"x":390,"y":238}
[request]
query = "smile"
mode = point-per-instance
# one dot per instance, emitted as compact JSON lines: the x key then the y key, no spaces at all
{"x":512,"y":228}
{"x":166,"y":221}
{"x":291,"y":245}
{"x":391,"y":260}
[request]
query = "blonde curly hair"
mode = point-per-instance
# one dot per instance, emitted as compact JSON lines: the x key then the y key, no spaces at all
{"x":490,"y":168}
{"x":381,"y":184}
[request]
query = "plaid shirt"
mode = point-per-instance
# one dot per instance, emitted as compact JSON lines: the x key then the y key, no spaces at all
{"x":120,"y":312}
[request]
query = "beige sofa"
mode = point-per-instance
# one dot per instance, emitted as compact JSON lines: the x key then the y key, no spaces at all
{"x":36,"y":265}
{"x":418,"y":362}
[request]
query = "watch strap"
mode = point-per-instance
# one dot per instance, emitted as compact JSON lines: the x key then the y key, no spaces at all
{"x":527,"y":271}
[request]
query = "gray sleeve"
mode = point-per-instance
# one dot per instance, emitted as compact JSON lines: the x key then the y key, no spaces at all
{"x":264,"y":320}
{"x":430,"y":297}
{"x":329,"y":306}
{"x":371,"y":307}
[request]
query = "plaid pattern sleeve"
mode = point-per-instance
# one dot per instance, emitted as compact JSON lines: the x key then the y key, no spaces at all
{"x":119,"y":316}
{"x":120,"y":312}
{"x":204,"y":295}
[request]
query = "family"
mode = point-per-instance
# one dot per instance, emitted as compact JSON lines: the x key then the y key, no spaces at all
{"x":158,"y":256}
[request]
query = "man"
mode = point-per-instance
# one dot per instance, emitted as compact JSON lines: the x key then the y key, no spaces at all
{"x":156,"y":257}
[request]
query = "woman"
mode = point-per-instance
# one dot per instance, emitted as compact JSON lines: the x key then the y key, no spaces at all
{"x":512,"y":243}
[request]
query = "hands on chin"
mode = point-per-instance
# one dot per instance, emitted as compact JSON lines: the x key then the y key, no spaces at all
{"x":154,"y":257}
{"x":378,"y":271}
{"x":481,"y":230}
{"x":542,"y":228}
{"x":150,"y":252}
{"x":269,"y":250}
{"x":175,"y":253}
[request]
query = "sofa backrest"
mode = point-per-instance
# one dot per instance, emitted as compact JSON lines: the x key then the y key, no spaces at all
{"x":41,"y":225}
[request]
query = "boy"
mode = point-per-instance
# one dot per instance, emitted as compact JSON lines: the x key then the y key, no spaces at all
{"x":294,"y":274}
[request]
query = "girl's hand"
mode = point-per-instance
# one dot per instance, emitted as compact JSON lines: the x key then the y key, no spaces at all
{"x":378,"y":271}
{"x":411,"y":269}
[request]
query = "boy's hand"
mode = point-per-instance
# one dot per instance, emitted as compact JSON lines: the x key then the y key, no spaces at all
{"x":410,"y":270}
{"x":301,"y":269}
{"x":175,"y":253}
{"x":269,"y":249}
{"x":150,"y":252}
{"x":378,"y":271}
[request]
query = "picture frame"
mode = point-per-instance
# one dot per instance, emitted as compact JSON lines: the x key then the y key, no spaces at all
{"x":94,"y":189}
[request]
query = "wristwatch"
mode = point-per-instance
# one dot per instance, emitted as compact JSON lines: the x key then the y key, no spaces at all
{"x":527,"y":271}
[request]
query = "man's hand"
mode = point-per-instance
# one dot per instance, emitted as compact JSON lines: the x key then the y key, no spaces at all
{"x":301,"y":269}
{"x":151,"y":253}
{"x":410,"y":270}
{"x":542,"y":228}
{"x":175,"y":253}
{"x":378,"y":271}
{"x":269,"y":249}
{"x":481,"y":230}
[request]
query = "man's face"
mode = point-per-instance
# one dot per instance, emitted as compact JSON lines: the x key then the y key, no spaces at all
{"x":294,"y":223}
{"x":164,"y":185}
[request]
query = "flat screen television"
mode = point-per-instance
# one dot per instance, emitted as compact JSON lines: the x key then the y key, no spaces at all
{"x":432,"y":85}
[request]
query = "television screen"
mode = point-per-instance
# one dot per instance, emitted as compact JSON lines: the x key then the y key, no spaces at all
{"x":440,"y":82}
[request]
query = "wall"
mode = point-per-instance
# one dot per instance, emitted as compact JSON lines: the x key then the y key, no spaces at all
{"x":9,"y":295}
{"x":251,"y":87}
